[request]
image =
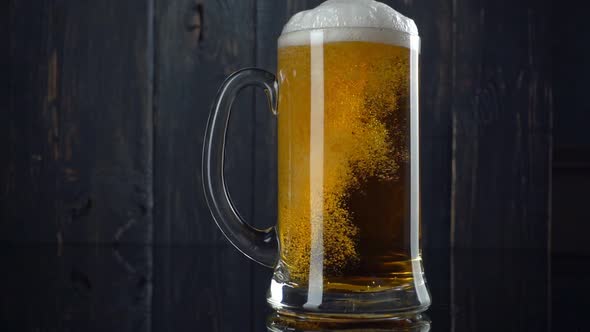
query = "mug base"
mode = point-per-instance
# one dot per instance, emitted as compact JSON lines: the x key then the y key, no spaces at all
{"x":285,"y":321}
{"x":387,"y":304}
{"x":350,"y":318}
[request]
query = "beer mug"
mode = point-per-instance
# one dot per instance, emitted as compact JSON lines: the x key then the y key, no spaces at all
{"x":346,"y":244}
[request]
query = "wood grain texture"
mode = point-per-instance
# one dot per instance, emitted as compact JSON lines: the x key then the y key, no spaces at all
{"x":571,"y":189}
{"x":79,"y":158}
{"x":201,"y":288}
{"x":270,"y":18}
{"x":507,"y":286}
{"x":76,"y":288}
{"x":571,"y":157}
{"x":571,"y":102}
{"x":502,"y":109}
{"x":198,"y":45}
{"x":5,"y":25}
{"x":570,"y":290}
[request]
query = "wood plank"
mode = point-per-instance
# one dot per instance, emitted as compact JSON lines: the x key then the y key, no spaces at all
{"x":570,"y":290}
{"x":571,"y":102}
{"x":204,"y":283}
{"x":78,"y":160}
{"x":196,"y":50}
{"x":502,"y":109}
{"x":498,"y":285}
{"x":270,"y":17}
{"x":501,"y":163}
{"x":24,"y":145}
{"x":201,"y":288}
{"x":571,"y":189}
{"x":5,"y":121}
{"x":76,"y":288}
{"x":571,"y":157}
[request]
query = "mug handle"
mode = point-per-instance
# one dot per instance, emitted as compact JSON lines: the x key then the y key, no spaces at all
{"x":261,"y":245}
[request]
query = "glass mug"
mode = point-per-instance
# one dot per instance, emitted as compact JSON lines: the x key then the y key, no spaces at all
{"x":346,"y":244}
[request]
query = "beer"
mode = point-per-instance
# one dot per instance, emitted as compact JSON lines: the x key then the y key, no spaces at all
{"x":346,"y":245}
{"x":351,"y":173}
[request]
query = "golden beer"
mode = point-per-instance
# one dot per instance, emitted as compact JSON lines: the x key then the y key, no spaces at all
{"x":347,"y":242}
{"x":363,"y":200}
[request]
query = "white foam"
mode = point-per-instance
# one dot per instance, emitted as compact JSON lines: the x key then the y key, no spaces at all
{"x":352,"y":20}
{"x":351,"y":14}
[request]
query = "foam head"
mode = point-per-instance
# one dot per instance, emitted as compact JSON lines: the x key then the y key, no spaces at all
{"x":351,"y":14}
{"x":351,"y":20}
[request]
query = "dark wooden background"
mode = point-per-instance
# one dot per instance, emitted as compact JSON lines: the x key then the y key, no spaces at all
{"x":105,"y":107}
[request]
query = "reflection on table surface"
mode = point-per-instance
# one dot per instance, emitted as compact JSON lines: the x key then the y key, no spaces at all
{"x":281,"y":323}
{"x":214,"y":288}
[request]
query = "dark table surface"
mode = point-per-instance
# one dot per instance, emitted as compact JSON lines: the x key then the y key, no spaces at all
{"x":199,"y":288}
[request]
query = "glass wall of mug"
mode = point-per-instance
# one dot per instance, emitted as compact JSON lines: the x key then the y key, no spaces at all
{"x":347,"y":241}
{"x":348,"y":175}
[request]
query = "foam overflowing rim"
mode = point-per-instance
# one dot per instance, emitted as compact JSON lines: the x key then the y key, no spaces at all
{"x":351,"y":34}
{"x":351,"y":14}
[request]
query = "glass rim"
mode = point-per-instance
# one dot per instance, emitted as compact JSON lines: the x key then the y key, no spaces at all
{"x":352,"y":34}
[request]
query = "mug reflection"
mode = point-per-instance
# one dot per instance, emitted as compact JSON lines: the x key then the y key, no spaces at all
{"x":410,"y":323}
